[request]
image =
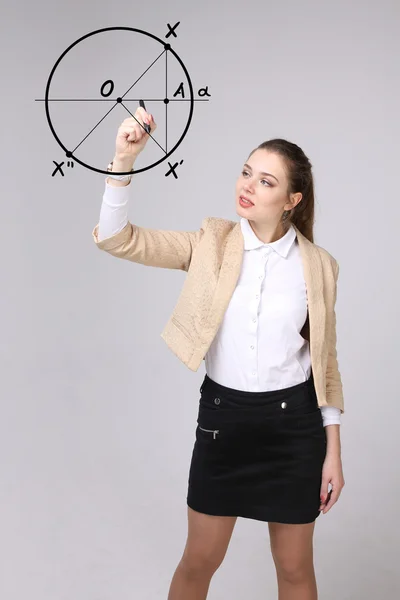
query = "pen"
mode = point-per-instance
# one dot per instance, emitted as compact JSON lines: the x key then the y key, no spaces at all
{"x":146,"y":127}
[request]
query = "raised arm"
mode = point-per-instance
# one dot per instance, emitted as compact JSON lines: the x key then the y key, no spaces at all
{"x":152,"y":247}
{"x":115,"y":234}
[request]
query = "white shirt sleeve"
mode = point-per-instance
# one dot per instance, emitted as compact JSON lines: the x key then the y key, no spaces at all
{"x":114,"y":210}
{"x":331,"y":415}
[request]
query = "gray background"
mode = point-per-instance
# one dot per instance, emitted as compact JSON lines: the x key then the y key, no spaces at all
{"x":97,"y":415}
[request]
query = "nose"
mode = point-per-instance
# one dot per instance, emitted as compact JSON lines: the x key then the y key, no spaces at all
{"x":248,"y":185}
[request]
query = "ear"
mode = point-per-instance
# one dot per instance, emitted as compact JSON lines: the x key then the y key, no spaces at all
{"x":295,"y":199}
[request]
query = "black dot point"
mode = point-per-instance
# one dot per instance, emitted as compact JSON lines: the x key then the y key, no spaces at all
{"x":166,"y":101}
{"x":68,"y":154}
{"x":167,"y":46}
{"x":119,"y":100}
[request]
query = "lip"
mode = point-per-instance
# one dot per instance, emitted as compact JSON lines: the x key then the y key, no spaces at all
{"x":248,"y":199}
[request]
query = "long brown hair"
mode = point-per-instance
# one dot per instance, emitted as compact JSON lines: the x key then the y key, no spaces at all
{"x":300,"y":178}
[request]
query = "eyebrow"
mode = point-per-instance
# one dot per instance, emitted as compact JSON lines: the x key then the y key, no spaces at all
{"x":262,"y":172}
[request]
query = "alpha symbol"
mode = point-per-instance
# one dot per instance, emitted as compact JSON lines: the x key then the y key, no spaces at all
{"x":204,"y":91}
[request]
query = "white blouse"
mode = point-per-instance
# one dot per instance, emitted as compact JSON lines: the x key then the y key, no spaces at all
{"x":258,"y":346}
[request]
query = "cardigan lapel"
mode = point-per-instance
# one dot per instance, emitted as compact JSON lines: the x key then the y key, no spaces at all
{"x":313,"y":276}
{"x":227,"y":278}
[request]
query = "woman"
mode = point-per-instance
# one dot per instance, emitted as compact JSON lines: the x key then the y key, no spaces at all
{"x":258,"y":306}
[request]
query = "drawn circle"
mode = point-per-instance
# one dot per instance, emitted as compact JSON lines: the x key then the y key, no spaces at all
{"x":168,"y":48}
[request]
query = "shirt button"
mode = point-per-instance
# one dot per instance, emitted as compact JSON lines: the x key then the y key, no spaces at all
{"x":283,"y":405}
{"x":254,"y":373}
{"x":254,"y":320}
{"x":252,"y":347}
{"x":217,"y":400}
{"x":257,"y":296}
{"x":261,"y":276}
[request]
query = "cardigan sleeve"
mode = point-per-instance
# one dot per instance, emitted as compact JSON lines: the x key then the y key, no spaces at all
{"x":334,"y":387}
{"x":151,"y":247}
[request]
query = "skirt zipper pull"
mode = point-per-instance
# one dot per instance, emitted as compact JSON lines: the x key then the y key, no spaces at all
{"x":213,"y":431}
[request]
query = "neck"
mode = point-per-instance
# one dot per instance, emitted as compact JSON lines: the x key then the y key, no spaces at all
{"x":269,"y":233}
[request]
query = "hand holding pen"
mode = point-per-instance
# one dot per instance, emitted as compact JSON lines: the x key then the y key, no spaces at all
{"x":132,"y":135}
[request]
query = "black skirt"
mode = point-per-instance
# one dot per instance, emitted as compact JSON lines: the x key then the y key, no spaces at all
{"x":258,"y":455}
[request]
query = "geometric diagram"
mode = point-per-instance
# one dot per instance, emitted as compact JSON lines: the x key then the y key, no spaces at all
{"x":106,"y":89}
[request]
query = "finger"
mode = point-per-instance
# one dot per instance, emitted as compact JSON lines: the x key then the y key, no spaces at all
{"x":323,"y":493}
{"x":332,"y":500}
{"x":135,"y":120}
{"x":139,"y":113}
{"x":134,"y":133}
{"x":142,"y":123}
{"x":327,"y":507}
{"x":143,"y":112}
{"x":139,"y":132}
{"x":141,"y":117}
{"x":146,"y":116}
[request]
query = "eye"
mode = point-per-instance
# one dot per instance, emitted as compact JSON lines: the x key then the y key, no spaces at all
{"x":266,"y":181}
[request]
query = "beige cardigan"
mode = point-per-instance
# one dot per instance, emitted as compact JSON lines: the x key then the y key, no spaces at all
{"x":212,"y":257}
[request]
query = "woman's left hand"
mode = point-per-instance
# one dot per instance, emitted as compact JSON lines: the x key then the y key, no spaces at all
{"x":331,"y":473}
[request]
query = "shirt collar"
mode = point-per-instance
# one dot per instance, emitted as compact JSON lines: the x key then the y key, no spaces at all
{"x":281,"y":246}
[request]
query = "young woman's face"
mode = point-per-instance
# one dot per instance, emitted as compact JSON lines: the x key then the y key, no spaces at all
{"x":263,"y":181}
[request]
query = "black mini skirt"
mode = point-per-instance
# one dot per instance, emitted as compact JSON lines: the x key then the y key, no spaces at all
{"x":258,"y":455}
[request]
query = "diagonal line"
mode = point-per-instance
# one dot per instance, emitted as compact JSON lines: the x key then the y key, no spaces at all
{"x":112,"y":108}
{"x":154,"y":61}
